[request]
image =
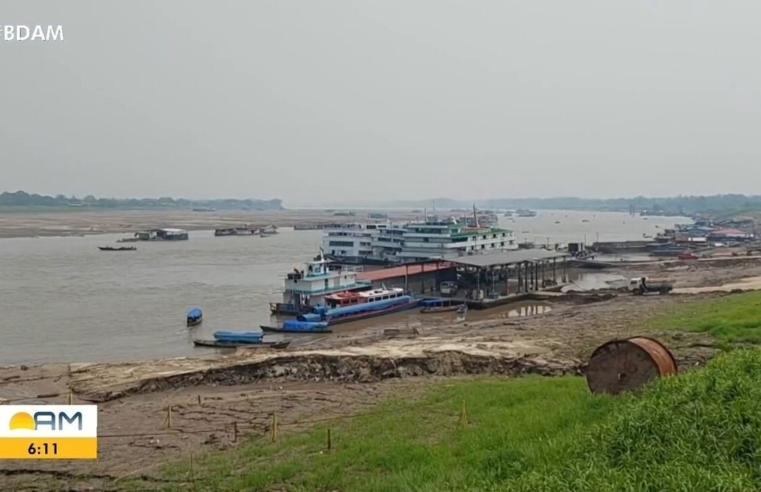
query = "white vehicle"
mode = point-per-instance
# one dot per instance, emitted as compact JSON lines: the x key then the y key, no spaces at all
{"x":640,"y":286}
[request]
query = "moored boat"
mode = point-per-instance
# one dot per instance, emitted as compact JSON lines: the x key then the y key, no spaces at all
{"x":306,"y":288}
{"x":346,"y":307}
{"x":220,"y":344}
{"x":440,"y":305}
{"x":120,"y":248}
{"x":195,"y":317}
{"x":239,"y":336}
{"x":295,"y":326}
{"x":235,"y":231}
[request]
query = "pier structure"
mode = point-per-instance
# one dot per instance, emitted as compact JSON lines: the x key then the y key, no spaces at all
{"x":499,"y":278}
{"x":416,"y":278}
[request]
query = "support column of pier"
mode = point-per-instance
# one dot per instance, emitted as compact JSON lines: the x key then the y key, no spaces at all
{"x":507,"y":280}
{"x":536,"y":277}
{"x":520,"y":278}
{"x":565,"y":275}
{"x":554,"y":278}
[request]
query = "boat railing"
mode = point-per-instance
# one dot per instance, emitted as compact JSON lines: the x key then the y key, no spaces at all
{"x":330,"y":290}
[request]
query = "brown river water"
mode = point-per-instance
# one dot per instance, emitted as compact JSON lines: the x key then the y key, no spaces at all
{"x":63,"y":300}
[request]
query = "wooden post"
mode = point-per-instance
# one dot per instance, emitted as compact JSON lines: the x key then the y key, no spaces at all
{"x":274,"y":433}
{"x":463,"y":416}
{"x":199,"y":399}
{"x":330,"y":443}
{"x":192,"y":474}
{"x":169,"y":417}
{"x":69,"y":398}
{"x":235,"y":431}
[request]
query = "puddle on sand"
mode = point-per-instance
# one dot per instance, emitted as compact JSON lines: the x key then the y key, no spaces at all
{"x":514,"y":310}
{"x":595,"y":281}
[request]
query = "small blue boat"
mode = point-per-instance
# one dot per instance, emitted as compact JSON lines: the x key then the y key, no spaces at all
{"x":298,"y":326}
{"x":195,"y":316}
{"x":239,"y":336}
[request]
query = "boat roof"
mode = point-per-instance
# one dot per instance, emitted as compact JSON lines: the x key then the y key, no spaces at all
{"x":380,"y":292}
{"x":506,"y":257}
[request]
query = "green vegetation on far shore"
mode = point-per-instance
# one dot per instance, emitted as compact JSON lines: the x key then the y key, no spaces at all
{"x":733,"y":319}
{"x":698,"y":431}
{"x":20,"y":201}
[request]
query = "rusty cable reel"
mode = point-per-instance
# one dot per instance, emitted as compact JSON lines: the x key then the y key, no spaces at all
{"x":627,"y":365}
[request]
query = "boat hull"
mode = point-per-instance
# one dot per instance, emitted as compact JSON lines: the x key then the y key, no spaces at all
{"x":218,"y":344}
{"x":195,"y":321}
{"x":279,"y":329}
{"x":374,"y":314}
{"x":441,"y":309}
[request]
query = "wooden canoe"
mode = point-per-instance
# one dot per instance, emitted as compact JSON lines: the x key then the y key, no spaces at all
{"x":217,"y":344}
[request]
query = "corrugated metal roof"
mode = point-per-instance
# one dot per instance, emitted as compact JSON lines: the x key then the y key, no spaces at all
{"x":401,"y":271}
{"x":505,"y":257}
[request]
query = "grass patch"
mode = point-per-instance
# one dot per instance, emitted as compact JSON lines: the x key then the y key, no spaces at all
{"x":731,"y":319}
{"x":697,"y":431}
{"x":404,"y":446}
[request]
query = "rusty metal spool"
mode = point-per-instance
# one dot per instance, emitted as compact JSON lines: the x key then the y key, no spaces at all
{"x":627,"y":365}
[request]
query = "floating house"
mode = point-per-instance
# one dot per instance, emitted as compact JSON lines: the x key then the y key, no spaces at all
{"x":162,"y":235}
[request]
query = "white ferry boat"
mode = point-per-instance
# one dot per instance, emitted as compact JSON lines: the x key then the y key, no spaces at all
{"x":442,"y":239}
{"x":307,"y":288}
{"x":353,"y":243}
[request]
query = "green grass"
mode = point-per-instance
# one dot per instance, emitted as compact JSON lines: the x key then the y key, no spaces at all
{"x":420,"y":445}
{"x":731,"y":319}
{"x":698,"y":431}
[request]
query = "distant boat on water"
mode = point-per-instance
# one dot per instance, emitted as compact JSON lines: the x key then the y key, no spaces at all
{"x":120,"y":248}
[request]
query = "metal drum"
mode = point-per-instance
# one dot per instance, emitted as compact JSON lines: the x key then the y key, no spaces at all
{"x":627,"y":365}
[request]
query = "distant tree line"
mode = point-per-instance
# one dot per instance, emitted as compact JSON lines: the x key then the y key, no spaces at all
{"x":24,"y":199}
{"x":732,"y":203}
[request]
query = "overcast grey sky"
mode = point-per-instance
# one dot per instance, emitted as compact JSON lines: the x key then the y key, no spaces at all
{"x":316,"y":101}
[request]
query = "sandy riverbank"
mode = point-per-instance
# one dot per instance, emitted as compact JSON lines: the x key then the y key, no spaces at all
{"x":102,"y":222}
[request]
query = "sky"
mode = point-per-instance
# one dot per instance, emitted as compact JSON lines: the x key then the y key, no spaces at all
{"x":348,"y":101}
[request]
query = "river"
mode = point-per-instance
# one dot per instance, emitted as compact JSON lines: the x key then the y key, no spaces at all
{"x":63,"y":300}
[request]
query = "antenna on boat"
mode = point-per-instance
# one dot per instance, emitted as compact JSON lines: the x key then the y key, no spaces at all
{"x":475,"y":215}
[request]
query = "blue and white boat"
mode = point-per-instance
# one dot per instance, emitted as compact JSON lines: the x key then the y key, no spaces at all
{"x":299,"y":326}
{"x":354,"y":306}
{"x":307,"y":288}
{"x":195,"y":316}
{"x":239,"y":336}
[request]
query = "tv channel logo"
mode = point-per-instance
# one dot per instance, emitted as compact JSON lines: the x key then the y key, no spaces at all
{"x":48,"y":432}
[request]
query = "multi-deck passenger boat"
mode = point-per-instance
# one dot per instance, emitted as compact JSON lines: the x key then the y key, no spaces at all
{"x":305,"y":289}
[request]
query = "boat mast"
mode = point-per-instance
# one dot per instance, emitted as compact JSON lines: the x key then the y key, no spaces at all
{"x":475,"y":216}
